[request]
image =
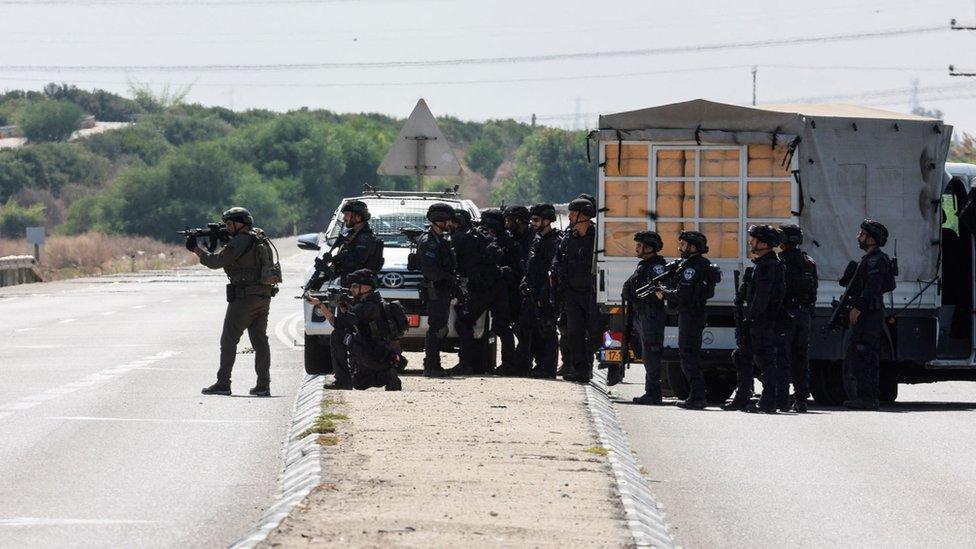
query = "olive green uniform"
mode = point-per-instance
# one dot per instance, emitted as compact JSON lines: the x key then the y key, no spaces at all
{"x":248,"y":303}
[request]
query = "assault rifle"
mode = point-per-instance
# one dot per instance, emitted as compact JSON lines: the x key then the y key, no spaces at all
{"x":840,"y":317}
{"x":214,"y":233}
{"x":656,"y":284}
{"x":741,"y":281}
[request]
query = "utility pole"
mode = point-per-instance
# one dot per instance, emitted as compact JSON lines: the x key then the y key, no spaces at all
{"x":913,"y":103}
{"x":954,"y":25}
{"x":533,"y":120}
{"x":755,"y":71}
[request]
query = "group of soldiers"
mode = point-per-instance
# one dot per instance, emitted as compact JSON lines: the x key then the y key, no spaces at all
{"x":538,"y":285}
{"x":774,"y":305}
{"x":536,"y":282}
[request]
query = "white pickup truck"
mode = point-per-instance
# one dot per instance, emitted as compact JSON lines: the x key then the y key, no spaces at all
{"x":390,"y":211}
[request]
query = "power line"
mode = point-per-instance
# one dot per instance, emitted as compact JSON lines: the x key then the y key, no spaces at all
{"x":483,"y":60}
{"x":880,"y":94}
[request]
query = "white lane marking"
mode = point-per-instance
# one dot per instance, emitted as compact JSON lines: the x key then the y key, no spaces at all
{"x":279,"y":329}
{"x":43,"y":521}
{"x":293,"y":328}
{"x":138,"y":307}
{"x":67,"y":320}
{"x":108,"y":313}
{"x":151,"y":420}
{"x":19,"y":330}
{"x":91,"y":380}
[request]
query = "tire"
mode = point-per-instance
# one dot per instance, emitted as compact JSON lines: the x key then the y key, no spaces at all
{"x":827,"y":382}
{"x":675,"y":379}
{"x":888,"y":387}
{"x":318,"y":355}
{"x":719,"y":386}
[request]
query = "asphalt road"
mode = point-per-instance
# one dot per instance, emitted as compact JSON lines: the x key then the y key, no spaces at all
{"x":901,"y":477}
{"x":107,"y":441}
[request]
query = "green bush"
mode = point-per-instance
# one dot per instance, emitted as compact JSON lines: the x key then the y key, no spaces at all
{"x":143,"y":140}
{"x":14,"y":219}
{"x":485,"y":156}
{"x":182,"y":129}
{"x":49,"y":120}
{"x":103,"y":105}
{"x":550,"y":166}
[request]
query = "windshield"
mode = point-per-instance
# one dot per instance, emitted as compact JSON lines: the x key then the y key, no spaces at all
{"x":390,"y":215}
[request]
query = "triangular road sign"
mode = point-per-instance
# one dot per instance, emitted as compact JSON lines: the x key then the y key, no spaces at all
{"x":421,"y":148}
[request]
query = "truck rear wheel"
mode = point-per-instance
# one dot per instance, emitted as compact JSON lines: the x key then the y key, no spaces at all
{"x":827,"y":382}
{"x":674,"y":378}
{"x":318,"y":355}
{"x":719,"y":386}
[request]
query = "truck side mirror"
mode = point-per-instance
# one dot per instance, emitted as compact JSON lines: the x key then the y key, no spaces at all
{"x":309,"y":241}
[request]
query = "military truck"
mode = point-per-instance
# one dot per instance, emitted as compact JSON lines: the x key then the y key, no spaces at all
{"x":391,"y":211}
{"x":719,"y":168}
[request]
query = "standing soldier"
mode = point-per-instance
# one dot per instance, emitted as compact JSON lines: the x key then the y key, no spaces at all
{"x":439,"y":267}
{"x":479,"y":262}
{"x":573,"y":268}
{"x":536,"y":326}
{"x":766,"y":316}
{"x":691,"y":286}
{"x":742,"y":355}
{"x":248,"y":299}
{"x":873,"y":278}
{"x":373,"y":350}
{"x":518,"y":224}
{"x":358,"y":248}
{"x":801,"y":297}
{"x":650,"y":313}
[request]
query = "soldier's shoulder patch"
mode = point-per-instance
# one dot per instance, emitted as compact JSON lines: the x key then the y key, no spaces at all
{"x":658,"y":269}
{"x":689,"y":273}
{"x":872,"y":262}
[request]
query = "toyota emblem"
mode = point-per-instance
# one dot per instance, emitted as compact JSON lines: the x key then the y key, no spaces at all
{"x":393,"y":280}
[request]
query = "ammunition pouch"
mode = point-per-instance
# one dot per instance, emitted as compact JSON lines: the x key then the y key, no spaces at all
{"x":238,"y":291}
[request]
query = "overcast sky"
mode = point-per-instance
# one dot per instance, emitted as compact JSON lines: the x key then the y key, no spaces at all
{"x":686,"y":50}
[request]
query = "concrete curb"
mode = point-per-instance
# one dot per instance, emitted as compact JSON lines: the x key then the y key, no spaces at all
{"x":643,"y":514}
{"x":302,"y":470}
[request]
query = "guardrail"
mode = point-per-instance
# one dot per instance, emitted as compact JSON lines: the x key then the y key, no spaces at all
{"x":18,"y":269}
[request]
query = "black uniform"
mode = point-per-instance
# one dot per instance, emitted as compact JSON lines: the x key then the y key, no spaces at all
{"x":801,"y":297}
{"x":439,"y":267}
{"x":479,"y":258}
{"x":573,"y":268}
{"x":688,"y":293}
{"x":513,"y":266}
{"x":742,"y":355}
{"x":373,"y":357}
{"x":649,"y":318}
{"x":767,"y":327}
{"x":866,"y":290}
{"x":536,"y":327}
{"x":358,"y":250}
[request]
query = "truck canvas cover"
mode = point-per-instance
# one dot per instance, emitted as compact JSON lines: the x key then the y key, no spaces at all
{"x":851,"y":163}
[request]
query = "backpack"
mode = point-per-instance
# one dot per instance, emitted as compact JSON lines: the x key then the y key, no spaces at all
{"x":394,"y":322}
{"x":375,"y":260}
{"x":269,"y":266}
{"x":713,"y":276}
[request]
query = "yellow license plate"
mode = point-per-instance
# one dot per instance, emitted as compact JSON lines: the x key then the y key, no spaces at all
{"x":613,"y":355}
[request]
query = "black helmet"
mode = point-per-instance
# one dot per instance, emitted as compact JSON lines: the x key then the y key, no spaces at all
{"x":440,"y":211}
{"x":356,"y":207}
{"x":365,"y":277}
{"x":584,"y":207}
{"x":650,"y":238}
{"x":877,"y":231}
{"x":765,"y":233}
{"x":462,"y":217}
{"x":589,"y":197}
{"x":518,"y":212}
{"x":545,"y":211}
{"x":791,"y":234}
{"x":494,"y":219}
{"x":239,"y":215}
{"x":696,"y":239}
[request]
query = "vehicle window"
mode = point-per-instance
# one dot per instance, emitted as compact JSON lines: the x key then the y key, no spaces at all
{"x":391,"y":215}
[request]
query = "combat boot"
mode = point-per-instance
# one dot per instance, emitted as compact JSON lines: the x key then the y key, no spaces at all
{"x":539,"y":373}
{"x":800,"y":406}
{"x":648,"y":399}
{"x":217,"y":389}
{"x":259,"y":391}
{"x":460,"y":371}
{"x":740,"y":402}
{"x":754,"y":409}
{"x":434,"y":371}
{"x":692,"y":404}
{"x":393,"y":381}
{"x":337,"y":386}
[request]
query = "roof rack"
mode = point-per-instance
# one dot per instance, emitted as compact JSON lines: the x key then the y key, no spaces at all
{"x":369,"y":190}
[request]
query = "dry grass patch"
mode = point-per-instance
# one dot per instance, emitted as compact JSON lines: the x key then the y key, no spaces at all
{"x":99,"y":254}
{"x":328,"y":440}
{"x":597,"y":450}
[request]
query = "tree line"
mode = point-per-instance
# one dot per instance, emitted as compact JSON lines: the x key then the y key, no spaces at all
{"x":180,"y":164}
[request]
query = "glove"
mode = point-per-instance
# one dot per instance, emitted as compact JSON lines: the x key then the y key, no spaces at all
{"x":191,"y":243}
{"x":322,"y":263}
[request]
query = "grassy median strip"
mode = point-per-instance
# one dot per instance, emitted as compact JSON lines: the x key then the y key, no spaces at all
{"x":325,"y":423}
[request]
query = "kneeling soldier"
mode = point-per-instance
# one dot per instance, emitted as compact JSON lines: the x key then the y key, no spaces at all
{"x":373,"y":354}
{"x":650,"y":314}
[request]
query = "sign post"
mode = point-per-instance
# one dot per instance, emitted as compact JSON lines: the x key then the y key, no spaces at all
{"x":35,"y":236}
{"x":420,"y":149}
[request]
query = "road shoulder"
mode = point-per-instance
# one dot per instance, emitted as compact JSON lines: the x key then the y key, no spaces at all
{"x":460,"y":462}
